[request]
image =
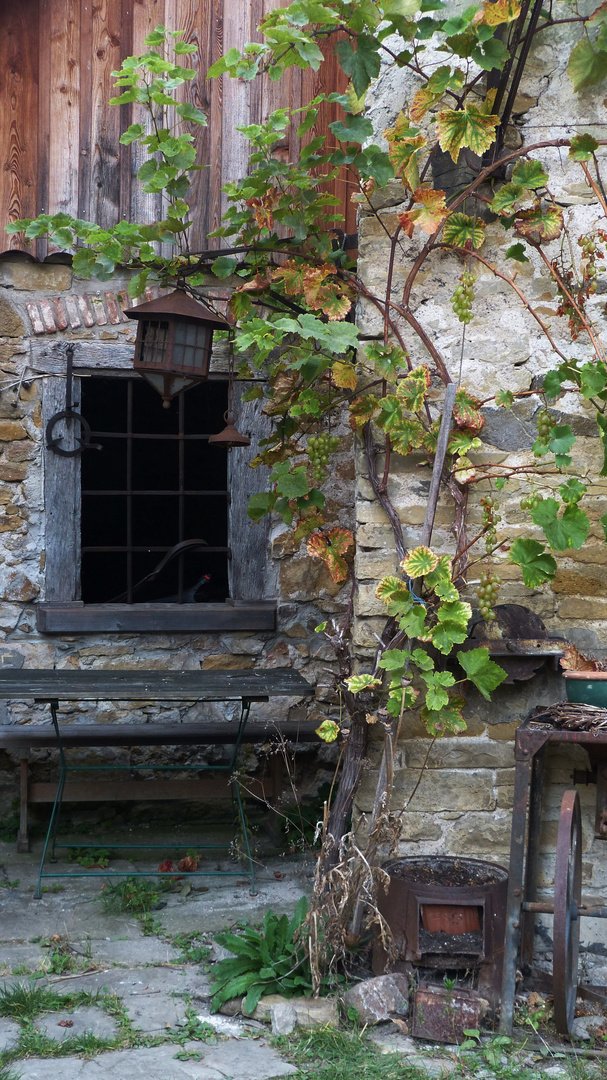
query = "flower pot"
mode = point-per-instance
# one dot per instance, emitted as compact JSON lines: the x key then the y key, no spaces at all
{"x":587,"y":687}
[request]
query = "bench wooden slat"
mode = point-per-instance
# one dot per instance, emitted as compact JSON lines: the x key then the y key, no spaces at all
{"x":142,"y":685}
{"x":188,"y":734}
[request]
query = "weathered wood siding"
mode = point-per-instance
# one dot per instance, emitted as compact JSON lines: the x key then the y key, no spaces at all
{"x":59,"y":138}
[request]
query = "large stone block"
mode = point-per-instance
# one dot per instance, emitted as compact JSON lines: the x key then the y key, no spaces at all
{"x":454,"y":754}
{"x":480,"y":834}
{"x":11,"y":323}
{"x":582,"y":609}
{"x":305,"y":579}
{"x":438,"y":790}
{"x":11,"y":430}
{"x":35,"y":277}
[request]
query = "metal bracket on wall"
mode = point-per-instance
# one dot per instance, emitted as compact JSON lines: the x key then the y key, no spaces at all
{"x":69,"y":414}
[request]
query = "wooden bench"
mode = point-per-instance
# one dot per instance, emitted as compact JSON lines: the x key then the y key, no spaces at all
{"x":21,"y":740}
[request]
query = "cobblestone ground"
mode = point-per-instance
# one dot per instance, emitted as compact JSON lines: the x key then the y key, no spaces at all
{"x":128,"y":998}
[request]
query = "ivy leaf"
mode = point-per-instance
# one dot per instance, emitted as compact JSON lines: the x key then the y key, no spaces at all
{"x":529,"y":174}
{"x":362,"y":410}
{"x":583,"y":147}
{"x":466,"y":411}
{"x":352,"y":129}
{"x":333,"y":547}
{"x":540,"y":224}
{"x":567,"y":531}
{"x":328,"y":731}
{"x":482,"y":671}
{"x":586,"y":66}
{"x":357,"y":683}
{"x":224,"y":266}
{"x":464,"y":231}
{"x":468,"y":127}
{"x":429,"y":216}
{"x":536,"y":563}
{"x":517,"y":252}
{"x":361,"y":64}
{"x":419,"y":562}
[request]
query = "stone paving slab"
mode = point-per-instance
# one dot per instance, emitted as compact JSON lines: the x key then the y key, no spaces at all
{"x":131,"y":981}
{"x":240,"y":1060}
{"x":85,"y":1019}
{"x":9,"y":1033}
{"x":141,"y":950}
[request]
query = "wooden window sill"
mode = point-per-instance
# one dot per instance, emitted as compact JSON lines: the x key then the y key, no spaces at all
{"x":77,"y":617}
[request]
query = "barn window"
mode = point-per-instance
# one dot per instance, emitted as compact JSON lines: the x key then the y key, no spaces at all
{"x":151,"y":532}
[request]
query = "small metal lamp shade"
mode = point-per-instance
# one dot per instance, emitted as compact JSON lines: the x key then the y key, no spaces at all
{"x":230,"y":436}
{"x":174,"y":339}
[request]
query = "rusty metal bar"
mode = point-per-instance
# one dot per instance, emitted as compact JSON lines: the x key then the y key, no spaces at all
{"x":129,"y":496}
{"x":533,"y":849}
{"x":522,"y":776}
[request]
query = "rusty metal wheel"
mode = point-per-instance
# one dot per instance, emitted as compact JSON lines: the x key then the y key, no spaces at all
{"x":567,"y":895}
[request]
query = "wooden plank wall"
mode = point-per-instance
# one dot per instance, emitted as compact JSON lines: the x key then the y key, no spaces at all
{"x":59,"y":143}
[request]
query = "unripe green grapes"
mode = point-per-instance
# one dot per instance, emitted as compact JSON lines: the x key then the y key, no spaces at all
{"x":487,"y":594}
{"x":320,"y":448}
{"x":462,"y":298}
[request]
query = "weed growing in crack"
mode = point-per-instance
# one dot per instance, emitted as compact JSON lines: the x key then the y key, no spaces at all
{"x":193,"y":947}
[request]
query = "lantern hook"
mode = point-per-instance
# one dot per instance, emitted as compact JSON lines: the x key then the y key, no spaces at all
{"x":68,"y":414}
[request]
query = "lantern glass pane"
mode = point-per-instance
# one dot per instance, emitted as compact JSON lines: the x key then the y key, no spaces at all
{"x":190,"y":345}
{"x":153,"y":341}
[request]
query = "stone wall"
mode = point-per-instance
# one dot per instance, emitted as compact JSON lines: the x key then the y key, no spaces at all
{"x":456,"y":794}
{"x":42,"y":308}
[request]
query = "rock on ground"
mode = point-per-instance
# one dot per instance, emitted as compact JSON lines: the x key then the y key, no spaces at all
{"x":376,"y":999}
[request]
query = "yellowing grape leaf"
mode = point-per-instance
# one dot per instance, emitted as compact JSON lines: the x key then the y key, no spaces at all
{"x":466,"y":412}
{"x":328,"y":731}
{"x":467,"y":127}
{"x":494,"y":14}
{"x":464,"y":231}
{"x":362,"y":410}
{"x":356,"y":683}
{"x":334,"y":302}
{"x":540,"y":224}
{"x":432,"y":91}
{"x":419,"y":562}
{"x":429,"y":215}
{"x":344,"y":375}
{"x":333,"y":547}
{"x":404,"y":146}
{"x":413,"y":388}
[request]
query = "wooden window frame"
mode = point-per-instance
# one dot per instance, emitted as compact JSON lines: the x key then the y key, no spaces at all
{"x":247,"y":608}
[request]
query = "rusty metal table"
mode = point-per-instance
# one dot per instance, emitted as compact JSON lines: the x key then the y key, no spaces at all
{"x":244,"y":687}
{"x":530,"y":743}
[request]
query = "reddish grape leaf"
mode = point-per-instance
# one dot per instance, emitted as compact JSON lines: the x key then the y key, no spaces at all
{"x":540,"y":224}
{"x":466,"y":411}
{"x":362,"y":410}
{"x":333,"y":547}
{"x":429,"y":215}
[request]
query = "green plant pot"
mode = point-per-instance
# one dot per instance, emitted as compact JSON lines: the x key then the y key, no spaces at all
{"x":587,"y":687}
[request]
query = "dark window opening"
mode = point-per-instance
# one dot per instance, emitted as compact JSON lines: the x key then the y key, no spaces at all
{"x":155,"y":483}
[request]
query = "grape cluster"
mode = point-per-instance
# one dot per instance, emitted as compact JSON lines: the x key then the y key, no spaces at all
{"x":463,"y":296}
{"x":487,"y":594}
{"x":320,"y":447}
{"x":545,"y":424}
{"x":490,"y":520}
{"x":531,"y":501}
{"x":589,"y":257}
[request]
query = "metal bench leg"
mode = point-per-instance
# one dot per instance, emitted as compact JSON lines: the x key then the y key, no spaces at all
{"x":23,"y":843}
{"x":51,"y":832}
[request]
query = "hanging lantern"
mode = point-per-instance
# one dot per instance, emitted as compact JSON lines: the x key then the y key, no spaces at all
{"x":230,"y":436}
{"x":174,"y":339}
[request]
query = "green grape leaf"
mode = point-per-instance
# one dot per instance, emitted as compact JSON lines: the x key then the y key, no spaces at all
{"x":452,"y":625}
{"x":436,"y":693}
{"x":529,"y":173}
{"x":422,"y":660}
{"x":361,"y":64}
{"x":481,"y":670}
{"x":260,"y":504}
{"x":375,"y":163}
{"x":561,"y":441}
{"x":448,"y":720}
{"x":224,"y":266}
{"x":572,"y":490}
{"x":469,"y":127}
{"x":504,"y":399}
{"x":552,"y":383}
{"x":569,"y":530}
{"x":506,"y":199}
{"x":603,"y":521}
{"x":352,"y":129}
{"x":328,"y":731}
{"x":583,"y":147}
{"x":413,"y":622}
{"x":463,"y":231}
{"x":540,"y":224}
{"x":401,"y":698}
{"x":358,"y":683}
{"x":594,"y":379}
{"x":534,"y":560}
{"x":490,"y":54}
{"x":586,"y":66}
{"x":517,"y":252}
{"x":419,"y":562}
{"x":394,"y":659}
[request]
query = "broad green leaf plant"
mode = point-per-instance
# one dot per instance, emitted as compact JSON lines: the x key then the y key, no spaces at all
{"x":293,"y":292}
